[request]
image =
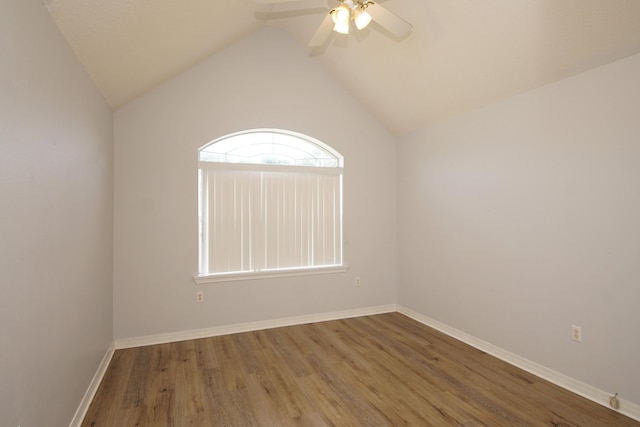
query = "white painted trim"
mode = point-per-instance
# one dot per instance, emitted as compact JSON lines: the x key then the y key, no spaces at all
{"x":323,"y":170}
{"x":251,"y":326}
{"x":81,"y":412}
{"x":587,"y":391}
{"x":267,"y":274}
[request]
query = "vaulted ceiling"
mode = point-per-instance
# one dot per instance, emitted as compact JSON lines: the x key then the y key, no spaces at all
{"x":462,"y":54}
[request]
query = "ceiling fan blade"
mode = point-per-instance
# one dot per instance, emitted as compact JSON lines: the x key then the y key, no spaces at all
{"x":276,"y":1}
{"x":388,"y":20}
{"x":288,"y":5}
{"x":324,"y":31}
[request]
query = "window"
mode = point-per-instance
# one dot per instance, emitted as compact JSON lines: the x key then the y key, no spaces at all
{"x":270,"y":202}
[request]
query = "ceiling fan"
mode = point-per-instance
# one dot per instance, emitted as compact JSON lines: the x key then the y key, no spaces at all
{"x":339,"y":18}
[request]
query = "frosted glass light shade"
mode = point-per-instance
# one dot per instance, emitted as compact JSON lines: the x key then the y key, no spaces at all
{"x":342,"y":28}
{"x":361,"y":18}
{"x":341,"y":16}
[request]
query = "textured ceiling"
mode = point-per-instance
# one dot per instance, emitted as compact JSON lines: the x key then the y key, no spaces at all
{"x":462,"y":54}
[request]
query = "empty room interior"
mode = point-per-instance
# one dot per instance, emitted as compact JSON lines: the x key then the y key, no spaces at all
{"x":473,"y":214}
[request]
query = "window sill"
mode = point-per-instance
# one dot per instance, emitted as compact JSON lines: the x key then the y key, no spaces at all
{"x":232,"y":277}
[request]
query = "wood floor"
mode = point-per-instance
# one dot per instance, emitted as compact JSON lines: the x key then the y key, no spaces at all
{"x":382,"y":370}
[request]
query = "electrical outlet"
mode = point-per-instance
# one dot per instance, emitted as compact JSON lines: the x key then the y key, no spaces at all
{"x":357,"y":281}
{"x":576,"y":333}
{"x":199,"y":296}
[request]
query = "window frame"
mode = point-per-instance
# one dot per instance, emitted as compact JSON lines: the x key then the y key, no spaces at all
{"x":208,"y":277}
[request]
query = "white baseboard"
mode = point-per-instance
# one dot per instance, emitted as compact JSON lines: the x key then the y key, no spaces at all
{"x":93,"y":388}
{"x":251,"y":326}
{"x":627,"y":408}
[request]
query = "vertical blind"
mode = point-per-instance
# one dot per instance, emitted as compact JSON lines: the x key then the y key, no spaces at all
{"x":262,"y":217}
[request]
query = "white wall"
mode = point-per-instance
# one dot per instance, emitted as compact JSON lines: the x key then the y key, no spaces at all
{"x":522,"y":218}
{"x":56,"y":317}
{"x":264,"y":80}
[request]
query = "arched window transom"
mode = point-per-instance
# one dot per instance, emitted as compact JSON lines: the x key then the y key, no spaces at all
{"x":270,"y":147}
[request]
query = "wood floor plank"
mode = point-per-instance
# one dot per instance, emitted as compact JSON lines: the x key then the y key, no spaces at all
{"x":135,"y":393}
{"x":162,"y":386}
{"x":383,"y":370}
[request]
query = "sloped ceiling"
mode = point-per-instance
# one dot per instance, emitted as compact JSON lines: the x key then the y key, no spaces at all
{"x":462,"y":54}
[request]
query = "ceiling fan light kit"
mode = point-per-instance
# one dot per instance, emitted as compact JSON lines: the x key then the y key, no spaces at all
{"x":349,"y":11}
{"x":361,"y":12}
